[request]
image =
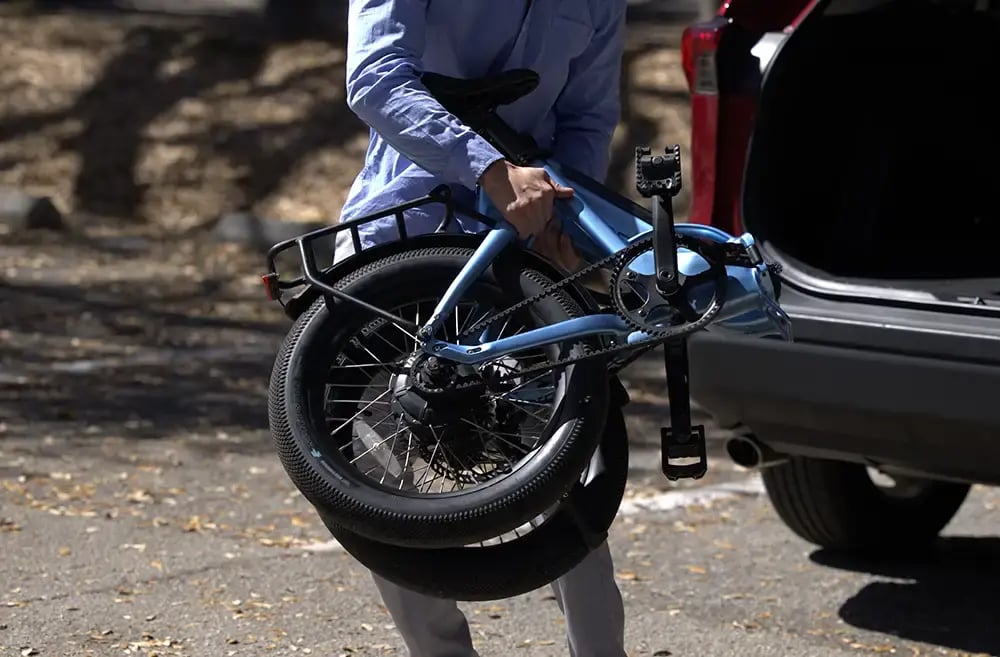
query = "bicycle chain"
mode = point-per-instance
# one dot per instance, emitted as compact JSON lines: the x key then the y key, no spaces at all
{"x":619,"y":259}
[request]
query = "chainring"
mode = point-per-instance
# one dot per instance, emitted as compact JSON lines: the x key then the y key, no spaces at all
{"x":638,"y":301}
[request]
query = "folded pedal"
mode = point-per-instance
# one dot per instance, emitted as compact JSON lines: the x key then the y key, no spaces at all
{"x":684,"y":455}
{"x":682,"y":445}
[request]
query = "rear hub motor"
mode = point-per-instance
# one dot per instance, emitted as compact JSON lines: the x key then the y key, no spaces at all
{"x":453,"y":420}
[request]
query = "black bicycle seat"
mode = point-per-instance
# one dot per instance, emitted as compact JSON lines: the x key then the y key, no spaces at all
{"x":476,"y":95}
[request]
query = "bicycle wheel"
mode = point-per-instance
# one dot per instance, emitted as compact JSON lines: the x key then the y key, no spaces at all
{"x":524,"y":560}
{"x":341,"y":409}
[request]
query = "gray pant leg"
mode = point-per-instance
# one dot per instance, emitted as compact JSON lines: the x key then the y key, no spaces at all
{"x":593,"y":607}
{"x":590,"y":599}
{"x":429,"y":626}
{"x":587,"y":595}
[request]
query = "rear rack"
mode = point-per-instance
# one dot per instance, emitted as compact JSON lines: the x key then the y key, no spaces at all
{"x":312,"y":275}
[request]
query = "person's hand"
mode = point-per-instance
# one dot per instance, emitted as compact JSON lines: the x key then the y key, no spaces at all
{"x":557,"y":247}
{"x":524,"y":195}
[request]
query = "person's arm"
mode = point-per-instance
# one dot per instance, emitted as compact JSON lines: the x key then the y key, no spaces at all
{"x":589,"y":107}
{"x":384,"y":48}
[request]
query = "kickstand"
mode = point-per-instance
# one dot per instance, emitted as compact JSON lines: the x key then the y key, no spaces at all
{"x":681,"y":441}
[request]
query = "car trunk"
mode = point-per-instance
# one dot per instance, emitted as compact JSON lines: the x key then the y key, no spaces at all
{"x":875,"y":159}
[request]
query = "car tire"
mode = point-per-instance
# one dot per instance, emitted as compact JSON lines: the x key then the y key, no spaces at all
{"x":839,"y":506}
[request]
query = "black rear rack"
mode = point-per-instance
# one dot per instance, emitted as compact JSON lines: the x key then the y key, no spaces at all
{"x":312,"y":275}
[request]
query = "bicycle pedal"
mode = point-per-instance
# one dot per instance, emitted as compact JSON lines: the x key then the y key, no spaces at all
{"x":683,"y":456}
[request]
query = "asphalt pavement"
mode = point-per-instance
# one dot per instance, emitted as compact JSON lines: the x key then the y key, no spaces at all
{"x":199,"y":545}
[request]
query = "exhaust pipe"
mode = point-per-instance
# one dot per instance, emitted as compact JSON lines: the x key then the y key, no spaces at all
{"x":750,"y":453}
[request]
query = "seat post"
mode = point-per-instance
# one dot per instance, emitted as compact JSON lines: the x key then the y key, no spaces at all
{"x":475,"y":102}
{"x":519,"y":148}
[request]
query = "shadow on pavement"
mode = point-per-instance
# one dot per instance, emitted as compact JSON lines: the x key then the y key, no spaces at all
{"x":85,"y":360}
{"x":946,"y":597}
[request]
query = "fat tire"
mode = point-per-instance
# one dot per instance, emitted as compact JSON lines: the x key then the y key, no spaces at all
{"x":514,"y":567}
{"x":395,"y":517}
{"x":836,"y":505}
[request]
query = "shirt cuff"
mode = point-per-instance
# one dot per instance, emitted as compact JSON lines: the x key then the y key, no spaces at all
{"x":471,"y":158}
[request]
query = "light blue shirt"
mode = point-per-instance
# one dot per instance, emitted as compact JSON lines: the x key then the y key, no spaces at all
{"x":574,"y":45}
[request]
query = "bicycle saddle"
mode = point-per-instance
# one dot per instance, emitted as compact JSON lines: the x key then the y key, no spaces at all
{"x":478,"y":95}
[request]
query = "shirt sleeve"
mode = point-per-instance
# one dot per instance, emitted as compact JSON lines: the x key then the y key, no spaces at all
{"x":384,"y":48}
{"x":588,"y":109}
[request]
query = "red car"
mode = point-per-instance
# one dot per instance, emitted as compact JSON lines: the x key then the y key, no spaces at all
{"x":859,"y":142}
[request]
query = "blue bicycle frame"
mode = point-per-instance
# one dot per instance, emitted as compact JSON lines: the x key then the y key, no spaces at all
{"x":599,"y":227}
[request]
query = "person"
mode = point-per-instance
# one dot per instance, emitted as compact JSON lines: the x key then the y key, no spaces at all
{"x":415,"y":145}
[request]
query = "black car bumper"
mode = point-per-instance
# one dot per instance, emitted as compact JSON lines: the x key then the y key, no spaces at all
{"x":909,"y":388}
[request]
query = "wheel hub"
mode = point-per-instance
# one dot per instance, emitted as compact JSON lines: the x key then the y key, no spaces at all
{"x":433,"y":392}
{"x":445,"y":411}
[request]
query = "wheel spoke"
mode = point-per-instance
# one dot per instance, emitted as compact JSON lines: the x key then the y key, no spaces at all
{"x":358,"y":414}
{"x":419,"y":460}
